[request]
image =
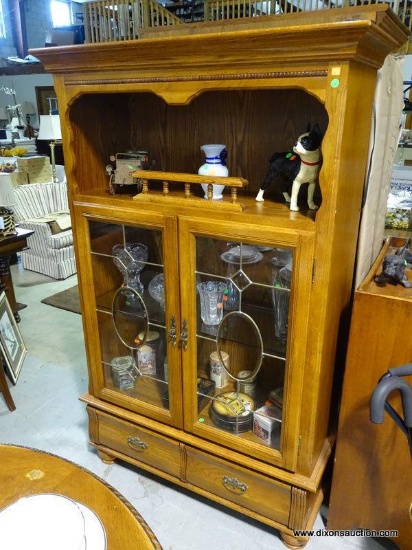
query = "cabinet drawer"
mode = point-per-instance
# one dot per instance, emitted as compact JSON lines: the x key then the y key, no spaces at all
{"x":253,"y":491}
{"x":138,"y":443}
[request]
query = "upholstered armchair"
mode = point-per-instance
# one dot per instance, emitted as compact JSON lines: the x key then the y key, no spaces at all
{"x":43,"y":208}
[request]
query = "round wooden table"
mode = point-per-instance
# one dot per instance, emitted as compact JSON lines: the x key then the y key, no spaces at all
{"x":25,"y":472}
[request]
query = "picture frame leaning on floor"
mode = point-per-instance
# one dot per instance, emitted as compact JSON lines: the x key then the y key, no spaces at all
{"x":12,"y":346}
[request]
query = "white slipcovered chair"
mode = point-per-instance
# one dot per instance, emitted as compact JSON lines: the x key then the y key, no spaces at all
{"x":43,"y":208}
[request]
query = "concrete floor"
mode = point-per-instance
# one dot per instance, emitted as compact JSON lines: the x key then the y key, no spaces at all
{"x":50,"y":417}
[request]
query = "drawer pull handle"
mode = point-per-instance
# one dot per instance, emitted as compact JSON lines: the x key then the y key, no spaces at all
{"x":233,"y":485}
{"x":172,"y":331}
{"x":136,"y":443}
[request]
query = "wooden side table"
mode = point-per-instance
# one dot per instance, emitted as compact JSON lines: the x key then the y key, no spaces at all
{"x":372,"y":478}
{"x":25,"y":472}
{"x":9,"y":245}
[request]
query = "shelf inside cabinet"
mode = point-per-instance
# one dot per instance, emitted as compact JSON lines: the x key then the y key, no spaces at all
{"x":156,"y":313}
{"x":153,"y":390}
{"x":206,"y":420}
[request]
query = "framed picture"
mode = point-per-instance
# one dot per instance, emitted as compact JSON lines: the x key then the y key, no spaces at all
{"x":12,"y":346}
{"x":43,"y":94}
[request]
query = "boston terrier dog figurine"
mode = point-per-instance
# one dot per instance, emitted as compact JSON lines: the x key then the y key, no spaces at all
{"x":300,"y":166}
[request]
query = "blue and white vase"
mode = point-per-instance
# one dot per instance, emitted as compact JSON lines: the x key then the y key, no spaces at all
{"x":215,"y":165}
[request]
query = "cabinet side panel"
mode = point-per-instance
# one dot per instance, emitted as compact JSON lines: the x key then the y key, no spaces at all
{"x":345,"y":149}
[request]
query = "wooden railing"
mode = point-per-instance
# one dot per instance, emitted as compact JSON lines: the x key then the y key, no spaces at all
{"x":124,"y":19}
{"x":232,"y":9}
{"x":169,"y":194}
{"x":216,"y":10}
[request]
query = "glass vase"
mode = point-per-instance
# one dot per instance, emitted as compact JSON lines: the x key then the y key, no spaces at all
{"x":211,"y":301}
{"x":130,"y":260}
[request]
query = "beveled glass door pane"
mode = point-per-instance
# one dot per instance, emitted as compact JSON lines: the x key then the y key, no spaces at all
{"x":128,"y":273}
{"x":243,"y":293}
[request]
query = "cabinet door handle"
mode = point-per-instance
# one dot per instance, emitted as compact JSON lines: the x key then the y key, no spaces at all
{"x":184,"y":335}
{"x":172,"y":331}
{"x":136,"y":443}
{"x":233,"y":485}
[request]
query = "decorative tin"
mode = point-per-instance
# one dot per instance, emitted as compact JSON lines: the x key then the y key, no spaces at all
{"x":267,"y":422}
{"x":217,"y":371}
{"x":233,"y":411}
{"x":123,"y":372}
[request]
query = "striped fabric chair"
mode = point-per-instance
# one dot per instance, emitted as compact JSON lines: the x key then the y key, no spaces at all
{"x":43,"y":208}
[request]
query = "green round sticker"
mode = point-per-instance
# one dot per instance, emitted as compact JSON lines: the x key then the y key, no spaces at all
{"x":334,"y":82}
{"x":201,"y":419}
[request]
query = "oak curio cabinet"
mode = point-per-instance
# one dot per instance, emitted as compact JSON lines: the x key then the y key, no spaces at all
{"x":174,"y":285}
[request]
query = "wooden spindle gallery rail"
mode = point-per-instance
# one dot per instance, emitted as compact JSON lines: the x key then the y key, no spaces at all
{"x":186,"y":197}
{"x":128,"y":19}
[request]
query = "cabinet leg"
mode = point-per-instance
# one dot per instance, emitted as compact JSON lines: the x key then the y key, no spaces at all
{"x":106,"y":458}
{"x":293,"y":542}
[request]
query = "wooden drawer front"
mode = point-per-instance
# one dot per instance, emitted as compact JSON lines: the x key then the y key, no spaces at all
{"x":254,"y":492}
{"x":138,"y":443}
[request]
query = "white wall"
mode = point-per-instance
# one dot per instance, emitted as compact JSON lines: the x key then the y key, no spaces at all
{"x":24,"y":86}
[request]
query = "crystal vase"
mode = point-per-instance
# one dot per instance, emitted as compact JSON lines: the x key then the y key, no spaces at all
{"x":130,"y":260}
{"x":215,"y":165}
{"x":211,"y":301}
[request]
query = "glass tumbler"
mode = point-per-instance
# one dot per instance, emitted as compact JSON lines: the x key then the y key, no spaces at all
{"x":280,"y":296}
{"x":211,"y":301}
